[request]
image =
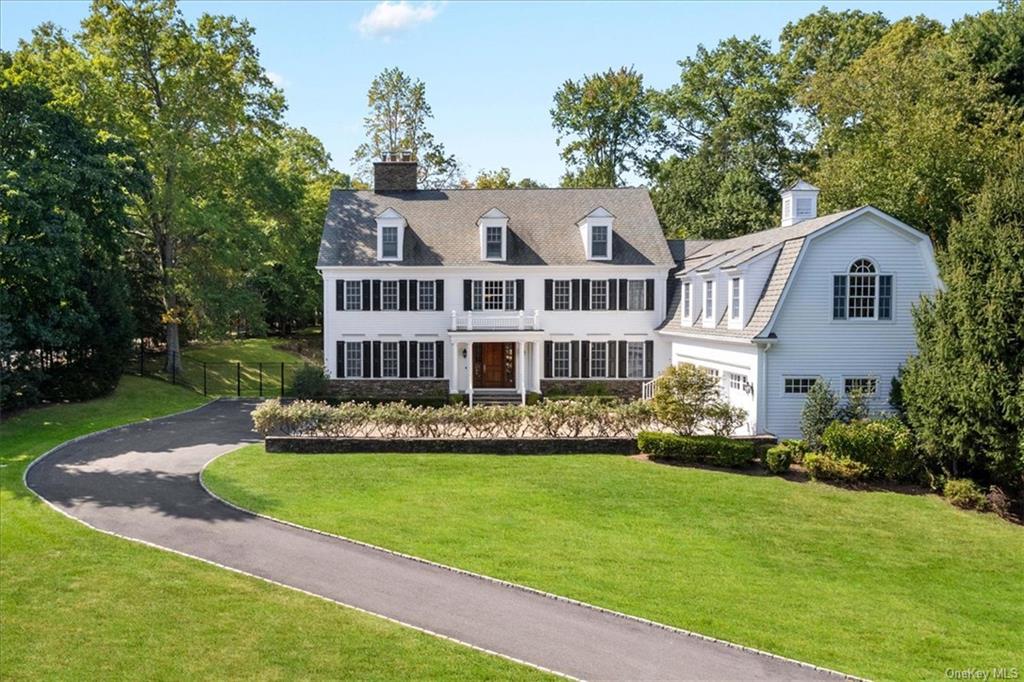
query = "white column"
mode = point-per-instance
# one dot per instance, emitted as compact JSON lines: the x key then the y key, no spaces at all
{"x":469,"y":373}
{"x":453,"y":377}
{"x":537,"y":362}
{"x":521,"y":348}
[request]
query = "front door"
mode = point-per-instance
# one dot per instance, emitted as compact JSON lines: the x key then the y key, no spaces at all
{"x":494,"y":365}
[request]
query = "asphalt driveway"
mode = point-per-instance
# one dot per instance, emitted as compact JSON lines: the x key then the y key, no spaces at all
{"x":142,"y":481}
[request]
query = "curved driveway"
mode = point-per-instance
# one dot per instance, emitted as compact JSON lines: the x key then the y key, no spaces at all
{"x":142,"y":481}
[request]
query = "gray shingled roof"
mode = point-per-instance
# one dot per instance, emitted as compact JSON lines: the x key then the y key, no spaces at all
{"x":442,"y":226}
{"x":703,"y":256}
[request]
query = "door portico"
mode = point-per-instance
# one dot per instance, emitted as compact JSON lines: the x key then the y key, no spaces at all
{"x":495,"y":361}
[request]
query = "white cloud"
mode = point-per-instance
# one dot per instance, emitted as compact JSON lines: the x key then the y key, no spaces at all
{"x":277,"y":79}
{"x":387,"y":17}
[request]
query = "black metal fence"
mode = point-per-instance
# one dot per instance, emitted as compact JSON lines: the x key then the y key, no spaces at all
{"x":218,"y":378}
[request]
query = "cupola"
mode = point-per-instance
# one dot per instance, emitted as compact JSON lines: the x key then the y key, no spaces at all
{"x":799,"y":203}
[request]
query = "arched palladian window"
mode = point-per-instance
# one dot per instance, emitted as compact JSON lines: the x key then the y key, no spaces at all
{"x":862,"y":293}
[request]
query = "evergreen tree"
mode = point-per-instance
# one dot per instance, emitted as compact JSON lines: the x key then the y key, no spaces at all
{"x":820,"y":409}
{"x":964,"y":391}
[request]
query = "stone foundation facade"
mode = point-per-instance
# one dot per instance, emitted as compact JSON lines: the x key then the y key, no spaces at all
{"x":389,"y":389}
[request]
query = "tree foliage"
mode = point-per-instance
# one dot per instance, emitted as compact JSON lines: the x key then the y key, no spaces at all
{"x":502,"y":179}
{"x":397,"y":121}
{"x":602,"y":125}
{"x":964,"y":391}
{"x":687,"y":398}
{"x":64,"y":318}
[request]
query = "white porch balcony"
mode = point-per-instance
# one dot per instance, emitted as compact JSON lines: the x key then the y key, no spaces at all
{"x":495,"y":320}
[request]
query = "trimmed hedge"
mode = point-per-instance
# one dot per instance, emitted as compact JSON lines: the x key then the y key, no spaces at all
{"x":828,"y":468}
{"x":884,"y":446}
{"x":714,"y":450}
{"x":965,"y":493}
{"x":778,"y":459}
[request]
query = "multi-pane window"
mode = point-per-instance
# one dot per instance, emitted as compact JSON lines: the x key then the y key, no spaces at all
{"x":389,"y":242}
{"x":425,"y":295}
{"x":389,"y":359}
{"x":862,"y":283}
{"x":562,"y":292}
{"x":737,"y":381}
{"x":865,"y":385}
{"x":599,"y":294}
{"x":353,"y":295}
{"x":716,"y":373}
{"x":560,"y":359}
{"x":494,"y":294}
{"x":798,"y":384}
{"x":709,"y":300}
{"x":635,"y":359}
{"x":599,"y":359}
{"x":862,"y":294}
{"x":734,"y":302}
{"x":389,"y":295}
{"x":636,"y":294}
{"x":599,"y":241}
{"x":492,"y":241}
{"x":687,"y":300}
{"x":426,"y":360}
{"x":353,"y":359}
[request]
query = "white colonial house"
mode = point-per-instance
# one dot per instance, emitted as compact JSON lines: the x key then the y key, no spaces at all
{"x":495,"y":294}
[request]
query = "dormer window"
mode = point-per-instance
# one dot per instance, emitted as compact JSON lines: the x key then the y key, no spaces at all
{"x":735,"y":303}
{"x":493,"y":235}
{"x":709,"y":303}
{"x":596,"y":231}
{"x":688,"y":302}
{"x":390,"y":235}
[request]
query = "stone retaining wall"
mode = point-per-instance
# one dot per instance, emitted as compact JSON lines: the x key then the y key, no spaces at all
{"x":491,"y":446}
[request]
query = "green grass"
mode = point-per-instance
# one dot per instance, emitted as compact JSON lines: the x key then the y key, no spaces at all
{"x":877,"y":584}
{"x":78,"y":604}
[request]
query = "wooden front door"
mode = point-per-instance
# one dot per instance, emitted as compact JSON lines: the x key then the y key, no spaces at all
{"x":494,"y":365}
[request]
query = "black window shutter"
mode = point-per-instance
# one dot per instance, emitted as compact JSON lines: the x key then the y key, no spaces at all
{"x":612,"y":365}
{"x":341,"y":359}
{"x":403,"y":359}
{"x":439,"y":358}
{"x":649,"y":359}
{"x":613,"y":298}
{"x":547,"y":295}
{"x":414,"y":294}
{"x":650,"y":294}
{"x":585,"y":294}
{"x":367,"y":359}
{"x":467,"y":294}
{"x":439,"y":295}
{"x":520,"y":294}
{"x":414,"y":359}
{"x":885,"y":297}
{"x":339,"y":295}
{"x":549,"y":347}
{"x":376,"y":294}
{"x":839,"y":297}
{"x":403,"y":294}
{"x":622,"y":359}
{"x":575,"y":295}
{"x":623,"y":295}
{"x":585,"y":358}
{"x":366,"y":294}
{"x":574,"y":359}
{"x":376,"y":359}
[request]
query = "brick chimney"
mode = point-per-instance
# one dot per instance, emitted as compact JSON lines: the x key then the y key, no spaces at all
{"x":396,"y":172}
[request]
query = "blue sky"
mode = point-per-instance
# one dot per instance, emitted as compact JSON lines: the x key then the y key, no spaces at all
{"x":491,"y":69}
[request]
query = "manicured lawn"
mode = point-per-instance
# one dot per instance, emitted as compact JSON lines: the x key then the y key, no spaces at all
{"x":880,"y":585}
{"x":78,"y":604}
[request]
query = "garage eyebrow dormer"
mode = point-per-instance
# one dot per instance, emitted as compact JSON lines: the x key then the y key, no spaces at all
{"x":390,"y":235}
{"x":493,"y":235}
{"x":596,"y":232}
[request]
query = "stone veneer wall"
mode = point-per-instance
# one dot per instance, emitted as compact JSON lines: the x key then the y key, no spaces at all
{"x":491,"y":446}
{"x":394,"y":176}
{"x":623,"y":388}
{"x":389,"y":389}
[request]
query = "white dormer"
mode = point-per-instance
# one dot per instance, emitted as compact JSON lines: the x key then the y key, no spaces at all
{"x":688,"y":307}
{"x":709,"y":300}
{"x":493,"y":235}
{"x":734,"y":304}
{"x":799,"y":203}
{"x":390,"y":235}
{"x":596,"y":232}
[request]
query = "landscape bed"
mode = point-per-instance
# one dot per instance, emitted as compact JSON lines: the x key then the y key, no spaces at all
{"x":905,"y":586}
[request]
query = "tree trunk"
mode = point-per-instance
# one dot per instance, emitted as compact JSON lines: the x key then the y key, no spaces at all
{"x":165,"y":242}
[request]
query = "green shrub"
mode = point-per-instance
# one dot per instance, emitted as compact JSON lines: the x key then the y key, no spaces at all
{"x":713,"y":450}
{"x":310,"y":382}
{"x":683,"y":395}
{"x":798,"y":448}
{"x":885,"y":446}
{"x":778,"y":459}
{"x":965,"y":493}
{"x":819,"y":411}
{"x":823,"y":467}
